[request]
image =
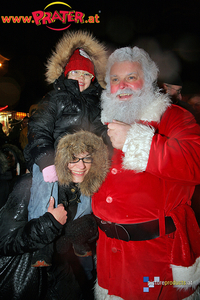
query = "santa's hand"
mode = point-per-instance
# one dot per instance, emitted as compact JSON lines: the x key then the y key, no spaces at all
{"x":49,"y":174}
{"x":59,"y":212}
{"x":117,"y":131}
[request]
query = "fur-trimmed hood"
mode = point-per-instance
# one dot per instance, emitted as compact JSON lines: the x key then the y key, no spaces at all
{"x":65,"y":48}
{"x":75,"y":144}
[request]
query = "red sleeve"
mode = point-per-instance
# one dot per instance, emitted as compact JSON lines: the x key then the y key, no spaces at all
{"x":175,"y":148}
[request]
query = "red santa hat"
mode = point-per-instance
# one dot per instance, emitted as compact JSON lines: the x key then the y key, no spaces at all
{"x":80,"y":60}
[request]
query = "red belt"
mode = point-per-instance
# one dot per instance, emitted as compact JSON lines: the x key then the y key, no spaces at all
{"x":135,"y":232}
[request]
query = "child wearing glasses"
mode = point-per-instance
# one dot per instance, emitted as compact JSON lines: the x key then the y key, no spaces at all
{"x":76,"y":70}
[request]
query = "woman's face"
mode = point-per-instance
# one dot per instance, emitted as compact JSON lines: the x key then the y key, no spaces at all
{"x":80,"y":169}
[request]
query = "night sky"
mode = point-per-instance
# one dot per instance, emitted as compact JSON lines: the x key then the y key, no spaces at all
{"x":168,"y":30}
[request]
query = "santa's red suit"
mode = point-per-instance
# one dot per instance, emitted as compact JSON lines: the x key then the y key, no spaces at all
{"x":153,"y":179}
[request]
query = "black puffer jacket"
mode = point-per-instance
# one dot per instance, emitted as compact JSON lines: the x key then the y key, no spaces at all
{"x":63,"y":111}
{"x":18,"y":239}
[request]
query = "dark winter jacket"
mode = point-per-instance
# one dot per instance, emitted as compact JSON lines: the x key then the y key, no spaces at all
{"x":18,"y":239}
{"x":63,"y":111}
{"x":66,"y":110}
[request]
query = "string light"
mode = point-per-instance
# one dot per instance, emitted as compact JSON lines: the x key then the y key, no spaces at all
{"x":20,"y":115}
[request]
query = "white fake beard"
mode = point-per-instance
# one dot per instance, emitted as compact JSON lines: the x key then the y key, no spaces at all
{"x":127,"y":111}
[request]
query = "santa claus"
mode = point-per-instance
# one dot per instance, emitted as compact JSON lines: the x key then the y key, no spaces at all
{"x":149,"y":240}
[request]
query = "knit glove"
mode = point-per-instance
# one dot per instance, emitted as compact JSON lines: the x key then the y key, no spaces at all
{"x":78,"y":232}
{"x":62,"y":244}
{"x":49,"y":174}
{"x":82,"y":230}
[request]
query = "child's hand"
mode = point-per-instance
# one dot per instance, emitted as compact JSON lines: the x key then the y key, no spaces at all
{"x":59,"y":212}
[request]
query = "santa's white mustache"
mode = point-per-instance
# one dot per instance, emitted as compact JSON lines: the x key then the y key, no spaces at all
{"x":127,"y":91}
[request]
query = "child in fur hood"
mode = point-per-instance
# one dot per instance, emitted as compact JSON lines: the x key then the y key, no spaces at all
{"x":76,"y":69}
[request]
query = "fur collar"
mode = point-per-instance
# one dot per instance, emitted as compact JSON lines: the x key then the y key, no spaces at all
{"x":156,"y":109}
{"x":139,"y":137}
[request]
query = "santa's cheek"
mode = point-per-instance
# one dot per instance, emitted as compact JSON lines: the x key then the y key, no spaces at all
{"x":114,"y":88}
{"x":137,"y":85}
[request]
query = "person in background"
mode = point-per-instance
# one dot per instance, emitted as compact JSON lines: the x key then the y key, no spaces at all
{"x":23,"y":139}
{"x":3,"y":137}
{"x":194,"y":101}
{"x":149,"y":239}
{"x":12,"y":165}
{"x":76,"y":69}
{"x":173,"y":87}
{"x":14,"y":134}
{"x":24,"y":122}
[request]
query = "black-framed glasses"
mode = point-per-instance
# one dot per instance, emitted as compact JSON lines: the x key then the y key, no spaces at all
{"x":86,"y":160}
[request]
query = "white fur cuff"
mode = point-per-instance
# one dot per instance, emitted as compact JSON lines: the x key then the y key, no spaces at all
{"x":189,"y":275}
{"x":138,"y":145}
{"x":102,"y":294}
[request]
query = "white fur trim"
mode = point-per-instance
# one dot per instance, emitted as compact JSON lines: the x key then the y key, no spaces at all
{"x":138,"y":145}
{"x":157,"y":108}
{"x":139,"y":137}
{"x":84,"y":54}
{"x":187,"y":274}
{"x":102,"y":294}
